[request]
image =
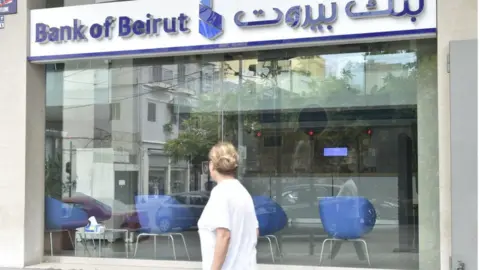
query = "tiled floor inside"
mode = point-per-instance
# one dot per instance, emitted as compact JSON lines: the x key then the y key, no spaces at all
{"x":295,"y":248}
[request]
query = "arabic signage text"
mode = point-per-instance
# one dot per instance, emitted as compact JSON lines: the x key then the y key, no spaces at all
{"x":293,"y":16}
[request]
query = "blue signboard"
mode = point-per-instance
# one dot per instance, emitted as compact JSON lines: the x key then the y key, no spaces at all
{"x":335,"y":152}
{"x":8,"y":7}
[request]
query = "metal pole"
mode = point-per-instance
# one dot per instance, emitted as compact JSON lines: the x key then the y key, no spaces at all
{"x":311,"y":155}
{"x":277,"y":110}
{"x":70,"y":175}
{"x":240,"y":117}
{"x":222,"y":67}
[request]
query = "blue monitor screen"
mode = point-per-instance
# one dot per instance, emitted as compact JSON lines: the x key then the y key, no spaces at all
{"x":335,"y":152}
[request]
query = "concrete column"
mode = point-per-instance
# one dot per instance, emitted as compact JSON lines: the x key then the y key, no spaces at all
{"x":145,"y":169}
{"x":187,"y":180}
{"x":464,"y":26}
{"x":22,"y":101}
{"x":428,"y":186}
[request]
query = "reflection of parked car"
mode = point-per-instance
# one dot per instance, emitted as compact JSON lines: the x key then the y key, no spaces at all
{"x":111,"y":213}
{"x":301,"y":204}
{"x":131,"y":221}
{"x":168,"y":212}
{"x":91,"y":206}
{"x":194,"y":201}
{"x":172,"y":214}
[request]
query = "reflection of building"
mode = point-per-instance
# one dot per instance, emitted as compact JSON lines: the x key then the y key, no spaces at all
{"x":376,"y":73}
{"x":293,"y":75}
{"x":109,"y":123}
{"x":314,"y":66}
{"x":119,"y":144}
{"x":110,"y":113}
{"x":168,"y":92}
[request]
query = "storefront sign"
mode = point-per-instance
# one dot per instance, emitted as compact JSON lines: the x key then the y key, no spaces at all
{"x":8,"y":7}
{"x":127,"y":27}
{"x":294,"y":17}
{"x":191,"y":26}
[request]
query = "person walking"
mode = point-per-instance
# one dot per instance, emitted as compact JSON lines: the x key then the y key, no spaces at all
{"x":228,"y":226}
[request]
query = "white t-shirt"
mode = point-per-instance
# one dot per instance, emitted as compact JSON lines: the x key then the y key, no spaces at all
{"x":231,"y":207}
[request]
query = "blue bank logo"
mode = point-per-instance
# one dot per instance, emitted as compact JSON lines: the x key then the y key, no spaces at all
{"x":8,"y":7}
{"x":211,"y":23}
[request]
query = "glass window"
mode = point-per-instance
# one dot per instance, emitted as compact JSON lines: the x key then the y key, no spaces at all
{"x":152,"y":112}
{"x":182,"y":199}
{"x":331,"y":134}
{"x":156,"y":181}
{"x":115,"y":111}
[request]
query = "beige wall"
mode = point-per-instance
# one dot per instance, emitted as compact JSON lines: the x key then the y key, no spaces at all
{"x":22,"y":99}
{"x":456,"y":20}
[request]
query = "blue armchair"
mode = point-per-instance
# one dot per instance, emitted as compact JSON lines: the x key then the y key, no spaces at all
{"x":62,"y":217}
{"x":271,"y":219}
{"x":347,"y":219}
{"x":163,"y":216}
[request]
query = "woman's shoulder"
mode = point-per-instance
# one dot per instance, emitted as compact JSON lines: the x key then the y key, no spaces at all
{"x":225,"y":189}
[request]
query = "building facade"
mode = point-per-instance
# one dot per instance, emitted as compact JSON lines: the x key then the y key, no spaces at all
{"x":113,"y":106}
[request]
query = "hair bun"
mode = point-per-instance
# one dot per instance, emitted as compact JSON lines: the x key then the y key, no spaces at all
{"x":228,"y":158}
{"x":229,"y":161}
{"x":224,"y":158}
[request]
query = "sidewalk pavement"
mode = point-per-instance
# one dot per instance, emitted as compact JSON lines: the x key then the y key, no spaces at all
{"x":90,"y":268}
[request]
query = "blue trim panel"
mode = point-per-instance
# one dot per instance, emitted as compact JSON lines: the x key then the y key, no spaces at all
{"x":231,"y":45}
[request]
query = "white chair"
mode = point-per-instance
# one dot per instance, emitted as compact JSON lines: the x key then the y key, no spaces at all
{"x":170,"y":236}
{"x":355,"y":241}
{"x":125,"y":231}
{"x":349,"y":188}
{"x":269,"y":239}
{"x":51,"y":232}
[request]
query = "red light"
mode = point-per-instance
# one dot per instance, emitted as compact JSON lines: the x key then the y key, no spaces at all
{"x":310,"y":133}
{"x":259,"y":134}
{"x":369,"y":132}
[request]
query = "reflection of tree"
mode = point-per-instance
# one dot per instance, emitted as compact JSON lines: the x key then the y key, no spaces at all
{"x":336,"y":88}
{"x":411,"y":83}
{"x":209,"y":121}
{"x":54,"y":186}
{"x":216,"y":114}
{"x":330,"y":87}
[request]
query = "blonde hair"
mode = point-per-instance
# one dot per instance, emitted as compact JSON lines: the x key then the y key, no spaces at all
{"x":224,"y":158}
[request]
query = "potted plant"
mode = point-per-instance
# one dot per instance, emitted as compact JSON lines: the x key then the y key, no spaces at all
{"x":168,"y":128}
{"x":54,"y":185}
{"x":54,"y":188}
